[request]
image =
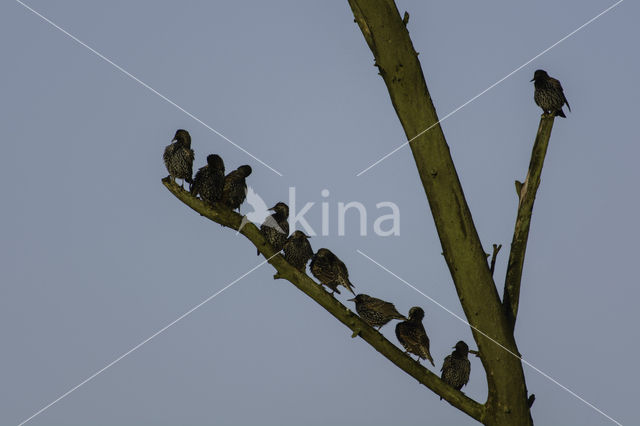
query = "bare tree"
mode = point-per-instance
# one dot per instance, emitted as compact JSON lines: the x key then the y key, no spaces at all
{"x":492,"y":320}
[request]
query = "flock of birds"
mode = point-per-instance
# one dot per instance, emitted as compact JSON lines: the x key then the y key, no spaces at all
{"x":213,"y":186}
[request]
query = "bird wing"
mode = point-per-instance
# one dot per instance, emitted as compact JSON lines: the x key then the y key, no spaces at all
{"x":556,"y":83}
{"x":197,"y":181}
{"x":566,"y":101}
{"x":466,"y":370}
{"x":447,"y":363}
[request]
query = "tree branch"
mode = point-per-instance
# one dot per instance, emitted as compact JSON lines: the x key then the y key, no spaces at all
{"x":496,"y":250}
{"x":303,"y":282}
{"x":397,"y":61}
{"x":527,"y":196}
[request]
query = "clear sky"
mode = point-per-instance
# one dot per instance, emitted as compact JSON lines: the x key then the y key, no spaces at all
{"x":96,"y":255}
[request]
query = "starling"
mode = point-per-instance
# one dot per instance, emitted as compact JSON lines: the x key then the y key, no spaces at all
{"x":549,"y":94}
{"x":456,"y":367}
{"x":178,"y":157}
{"x":330,"y":270}
{"x":235,"y":187}
{"x":375,"y":312}
{"x":275,"y":228}
{"x":297,"y":250}
{"x":411,"y":335}
{"x":209,"y":180}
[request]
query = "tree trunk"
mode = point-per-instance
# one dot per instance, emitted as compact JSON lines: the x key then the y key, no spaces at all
{"x":388,"y":38}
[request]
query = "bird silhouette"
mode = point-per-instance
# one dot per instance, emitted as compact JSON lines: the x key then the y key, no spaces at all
{"x":548,"y":94}
{"x":456,"y":367}
{"x":209,"y":180}
{"x":234,"y":191}
{"x":297,"y":250}
{"x":374,"y":311}
{"x":275,"y":228}
{"x":412,"y":336}
{"x":178,"y":157}
{"x":330,"y":270}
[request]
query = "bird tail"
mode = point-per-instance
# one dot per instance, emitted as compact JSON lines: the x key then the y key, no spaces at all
{"x":560,"y":113}
{"x":349,"y":286}
{"x":427,"y":356}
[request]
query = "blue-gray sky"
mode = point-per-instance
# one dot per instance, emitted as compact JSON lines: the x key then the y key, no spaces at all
{"x":96,"y":255}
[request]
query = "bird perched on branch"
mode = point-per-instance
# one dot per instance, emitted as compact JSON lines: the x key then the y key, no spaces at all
{"x":456,"y":367}
{"x":413,"y":337}
{"x":548,"y":94}
{"x":209,"y":180}
{"x":375,"y":312}
{"x":234,"y":191}
{"x":275,"y":227}
{"x":178,"y":157}
{"x":330,"y":270}
{"x":297,"y":250}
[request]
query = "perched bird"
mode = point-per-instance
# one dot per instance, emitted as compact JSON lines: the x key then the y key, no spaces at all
{"x":548,"y":94}
{"x":412,"y":336}
{"x":330,"y":270}
{"x":375,"y":312}
{"x":275,"y":227}
{"x":234,"y":191}
{"x":178,"y":157}
{"x":209,"y":180}
{"x":297,"y":250}
{"x":456,"y":367}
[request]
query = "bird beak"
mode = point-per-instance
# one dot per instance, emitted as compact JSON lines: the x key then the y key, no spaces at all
{"x":174,"y":140}
{"x":351,"y":300}
{"x":532,"y":79}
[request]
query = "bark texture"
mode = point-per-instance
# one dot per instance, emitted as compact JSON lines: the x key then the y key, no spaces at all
{"x":527,"y":195}
{"x":389,"y":41}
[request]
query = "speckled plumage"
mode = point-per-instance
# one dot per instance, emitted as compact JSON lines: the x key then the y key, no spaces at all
{"x":412,"y":335}
{"x":209,"y":180}
{"x":275,"y":228}
{"x":235,"y":187}
{"x":178,"y":157}
{"x":548,"y":94}
{"x":375,"y":312}
{"x":330,"y":270}
{"x":456,"y":367}
{"x":297,"y":250}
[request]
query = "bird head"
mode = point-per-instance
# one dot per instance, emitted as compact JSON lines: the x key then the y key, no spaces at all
{"x":183,"y":137}
{"x":245,"y":170}
{"x":281,"y":209}
{"x":360,"y":298}
{"x":297,"y":235}
{"x":462,"y":348}
{"x":539,"y":75}
{"x":416,"y":313}
{"x":215,"y":162}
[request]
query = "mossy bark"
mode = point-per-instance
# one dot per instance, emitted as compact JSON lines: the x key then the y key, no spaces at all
{"x":388,"y":38}
{"x":527,"y":195}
